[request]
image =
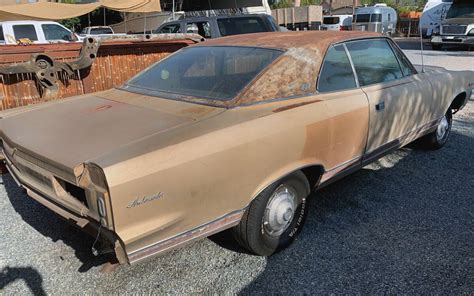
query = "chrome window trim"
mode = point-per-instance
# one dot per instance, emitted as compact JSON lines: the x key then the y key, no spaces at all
{"x":396,"y":50}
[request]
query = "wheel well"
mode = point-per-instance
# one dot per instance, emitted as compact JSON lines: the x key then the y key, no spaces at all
{"x":458,"y":102}
{"x":313,"y":174}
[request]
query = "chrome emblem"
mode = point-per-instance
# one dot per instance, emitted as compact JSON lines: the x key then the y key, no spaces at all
{"x":143,"y":200}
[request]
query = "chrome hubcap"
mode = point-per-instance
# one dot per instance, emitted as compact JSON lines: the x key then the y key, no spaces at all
{"x":443,"y":128}
{"x":280,"y":210}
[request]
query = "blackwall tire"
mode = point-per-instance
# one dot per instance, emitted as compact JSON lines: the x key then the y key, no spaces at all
{"x":439,"y":137}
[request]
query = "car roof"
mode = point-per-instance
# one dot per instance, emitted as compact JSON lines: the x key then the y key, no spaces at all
{"x":296,"y":71}
{"x":291,"y":39}
{"x":28,"y":22}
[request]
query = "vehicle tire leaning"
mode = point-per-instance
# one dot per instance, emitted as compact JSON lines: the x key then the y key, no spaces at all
{"x":275,"y":217}
{"x":440,"y":135}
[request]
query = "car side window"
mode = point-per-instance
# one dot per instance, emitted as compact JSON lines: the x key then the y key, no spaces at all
{"x":336,"y":71}
{"x":55,"y":32}
{"x":374,"y":61}
{"x":2,"y":38}
{"x":201,"y":28}
{"x":405,"y":64}
{"x":240,"y":25}
{"x":25,"y":31}
{"x":172,"y":28}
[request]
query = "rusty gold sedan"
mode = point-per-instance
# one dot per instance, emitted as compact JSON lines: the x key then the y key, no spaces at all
{"x":231,"y":133}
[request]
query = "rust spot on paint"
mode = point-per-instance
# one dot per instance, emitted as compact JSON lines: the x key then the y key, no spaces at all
{"x":288,"y":107}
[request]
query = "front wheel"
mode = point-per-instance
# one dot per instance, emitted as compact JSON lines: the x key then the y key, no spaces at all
{"x":275,"y":216}
{"x":439,"y":137}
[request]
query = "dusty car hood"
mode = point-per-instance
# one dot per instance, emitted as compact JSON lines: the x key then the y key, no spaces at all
{"x":73,"y":131}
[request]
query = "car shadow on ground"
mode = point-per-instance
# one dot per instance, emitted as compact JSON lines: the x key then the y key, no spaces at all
{"x":29,"y":275}
{"x":402,"y":224}
{"x":50,"y":225}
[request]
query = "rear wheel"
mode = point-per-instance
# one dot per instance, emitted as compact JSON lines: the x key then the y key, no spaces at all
{"x":435,"y":46}
{"x":439,"y":137}
{"x":275,"y":216}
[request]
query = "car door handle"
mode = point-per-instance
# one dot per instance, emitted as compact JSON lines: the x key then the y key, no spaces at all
{"x":380,"y":106}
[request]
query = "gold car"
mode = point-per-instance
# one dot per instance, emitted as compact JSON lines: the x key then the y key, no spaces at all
{"x":231,"y":133}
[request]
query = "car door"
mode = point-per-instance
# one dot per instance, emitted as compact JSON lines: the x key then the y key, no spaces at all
{"x":347,"y":104}
{"x":396,"y":94}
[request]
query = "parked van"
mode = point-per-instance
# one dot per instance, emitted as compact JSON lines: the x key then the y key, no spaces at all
{"x":433,"y":14}
{"x":378,"y":18}
{"x":36,"y":32}
{"x":337,"y":23}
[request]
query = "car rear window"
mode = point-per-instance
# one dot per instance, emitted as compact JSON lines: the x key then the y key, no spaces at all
{"x":99,"y":31}
{"x":25,"y":31}
{"x":240,"y":25}
{"x":331,"y":20}
{"x":213,"y":72}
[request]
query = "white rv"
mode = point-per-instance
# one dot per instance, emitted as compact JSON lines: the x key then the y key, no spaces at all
{"x":433,"y":14}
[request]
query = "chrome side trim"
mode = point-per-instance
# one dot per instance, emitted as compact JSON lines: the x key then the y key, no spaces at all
{"x":339,"y":168}
{"x":179,"y":240}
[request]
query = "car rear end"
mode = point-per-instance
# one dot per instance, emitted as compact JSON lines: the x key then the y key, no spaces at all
{"x":79,"y":195}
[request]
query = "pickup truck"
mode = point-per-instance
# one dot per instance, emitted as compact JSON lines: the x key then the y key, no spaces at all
{"x":37,"y":32}
{"x":457,"y":28}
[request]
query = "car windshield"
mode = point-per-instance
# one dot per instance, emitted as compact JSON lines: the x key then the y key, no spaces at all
{"x":212,"y":72}
{"x":331,"y":20}
{"x":461,"y":10}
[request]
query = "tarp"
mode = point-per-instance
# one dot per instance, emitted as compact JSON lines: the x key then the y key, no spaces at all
{"x":59,"y":11}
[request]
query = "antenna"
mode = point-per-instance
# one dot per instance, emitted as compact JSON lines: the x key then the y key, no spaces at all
{"x":421,"y":47}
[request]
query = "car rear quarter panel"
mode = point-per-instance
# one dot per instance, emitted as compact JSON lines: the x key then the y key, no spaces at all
{"x":220,"y":171}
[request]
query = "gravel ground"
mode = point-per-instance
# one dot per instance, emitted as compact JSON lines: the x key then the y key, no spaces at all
{"x":404,"y":224}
